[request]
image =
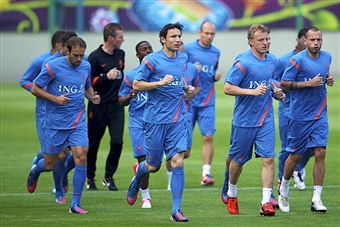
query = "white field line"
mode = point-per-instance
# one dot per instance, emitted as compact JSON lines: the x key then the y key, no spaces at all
{"x":158,"y":190}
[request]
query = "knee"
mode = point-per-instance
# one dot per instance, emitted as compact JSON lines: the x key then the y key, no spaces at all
{"x":152,"y":169}
{"x":49,"y":166}
{"x":268,"y":162}
{"x":156,"y":169}
{"x":208,"y":139}
{"x":319,"y":153}
{"x":295,"y":158}
{"x":177,"y":160}
{"x":62,"y":155}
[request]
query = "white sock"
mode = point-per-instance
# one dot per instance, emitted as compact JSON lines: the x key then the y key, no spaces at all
{"x":232,"y":191}
{"x":206,"y":169}
{"x":284,"y":188}
{"x":317,"y":193}
{"x":145,"y":193}
{"x":169,"y":173}
{"x":266,"y":193}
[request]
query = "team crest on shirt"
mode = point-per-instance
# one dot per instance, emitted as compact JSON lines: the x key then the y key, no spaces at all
{"x":184,"y":67}
{"x":121,"y":64}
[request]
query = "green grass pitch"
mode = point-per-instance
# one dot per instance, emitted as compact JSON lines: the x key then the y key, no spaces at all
{"x":202,"y":205}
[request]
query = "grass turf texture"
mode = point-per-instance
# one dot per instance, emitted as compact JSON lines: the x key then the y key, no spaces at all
{"x":202,"y":205}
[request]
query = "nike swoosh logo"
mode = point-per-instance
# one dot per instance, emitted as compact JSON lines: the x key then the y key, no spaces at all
{"x":103,"y":65}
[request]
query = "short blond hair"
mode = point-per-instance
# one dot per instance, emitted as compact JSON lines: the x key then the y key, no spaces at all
{"x":257,"y":28}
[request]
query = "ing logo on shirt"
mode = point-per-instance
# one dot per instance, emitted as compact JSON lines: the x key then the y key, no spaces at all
{"x":71,"y":89}
{"x":141,"y":96}
{"x":208,"y":69}
{"x":176,"y":81}
{"x":254,"y":84}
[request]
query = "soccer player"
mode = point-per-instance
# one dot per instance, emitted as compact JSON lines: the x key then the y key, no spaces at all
{"x":249,"y":80}
{"x":202,"y":52}
{"x":162,"y":75}
{"x":107,"y":64}
{"x":31,"y":73}
{"x":191,"y":78}
{"x":26,"y":82}
{"x":283,"y":112}
{"x":65,"y":160}
{"x":67,"y":81}
{"x":306,"y":77}
{"x":136,"y":101}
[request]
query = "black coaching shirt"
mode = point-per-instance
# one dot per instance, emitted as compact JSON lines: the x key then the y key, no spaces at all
{"x":101,"y":63}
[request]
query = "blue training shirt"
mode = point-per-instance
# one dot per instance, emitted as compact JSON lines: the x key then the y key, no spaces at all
{"x":192,"y":78}
{"x":26,"y":82}
{"x":281,"y":65}
{"x":166,"y":103}
{"x":308,"y":103}
{"x":61,"y":78}
{"x":208,"y":58}
{"x":249,"y":72}
{"x":137,"y":104}
{"x":33,"y":70}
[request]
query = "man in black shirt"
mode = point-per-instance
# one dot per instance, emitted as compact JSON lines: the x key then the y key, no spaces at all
{"x":107,"y":63}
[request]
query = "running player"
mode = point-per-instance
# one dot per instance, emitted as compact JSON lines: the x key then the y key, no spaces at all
{"x":283,"y":112}
{"x":202,"y":52}
{"x":249,"y":80}
{"x":306,"y":77}
{"x":162,"y":75}
{"x":136,"y":101}
{"x":67,"y":81}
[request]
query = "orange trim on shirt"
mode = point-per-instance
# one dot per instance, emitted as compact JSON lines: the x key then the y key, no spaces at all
{"x":94,"y":81}
{"x":294,"y":63}
{"x":178,"y":111}
{"x":77,"y":119}
{"x":49,"y":70}
{"x":324,"y":102}
{"x":127,"y":81}
{"x":209,"y":96}
{"x":27,"y":85}
{"x":148,"y":64}
{"x":240,"y":67}
{"x":264,"y":114}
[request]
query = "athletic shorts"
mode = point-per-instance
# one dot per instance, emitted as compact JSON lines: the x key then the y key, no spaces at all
{"x":137,"y":141}
{"x":307,"y":134}
{"x":168,"y":138}
{"x":243,"y":139}
{"x":56,"y":140}
{"x":205,"y":117}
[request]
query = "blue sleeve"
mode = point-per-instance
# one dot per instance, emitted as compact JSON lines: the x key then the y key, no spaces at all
{"x":235,"y":74}
{"x":30,"y":74}
{"x":125,"y":87}
{"x":144,"y":70}
{"x":44,"y":77}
